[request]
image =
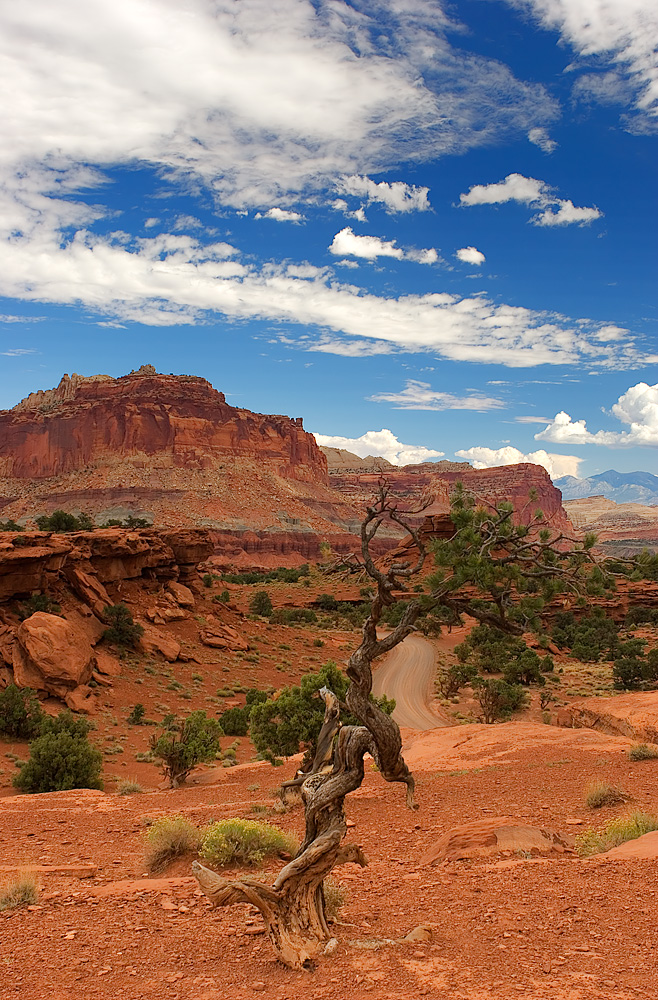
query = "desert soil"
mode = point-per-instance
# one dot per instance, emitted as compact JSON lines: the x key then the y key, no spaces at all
{"x":501,"y":927}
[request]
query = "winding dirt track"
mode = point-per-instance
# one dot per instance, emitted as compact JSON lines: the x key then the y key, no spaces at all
{"x":407,"y":674}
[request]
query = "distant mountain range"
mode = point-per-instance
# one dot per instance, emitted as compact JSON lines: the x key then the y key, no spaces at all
{"x":622,"y":487}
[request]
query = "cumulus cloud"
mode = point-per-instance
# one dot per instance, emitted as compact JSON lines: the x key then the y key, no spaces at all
{"x":566,"y":214}
{"x":280,"y":215}
{"x":382,"y":444}
{"x":348,"y":243}
{"x":540,"y":137}
{"x":395,"y":196}
{"x":487,"y":458}
{"x":529,"y":191}
{"x":469,"y":255}
{"x":619,"y":31}
{"x":421,"y":396}
{"x":637,"y":408}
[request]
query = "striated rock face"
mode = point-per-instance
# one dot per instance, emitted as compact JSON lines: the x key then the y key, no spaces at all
{"x":615,"y":522}
{"x":146,"y":419}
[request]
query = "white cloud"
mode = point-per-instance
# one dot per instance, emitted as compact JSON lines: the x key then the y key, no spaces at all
{"x":421,"y":396}
{"x":532,"y":420}
{"x":488,"y":458}
{"x":515,"y":187}
{"x":396,"y":196}
{"x":382,"y":444}
{"x":637,"y":408}
{"x":348,"y":243}
{"x":567,"y":214}
{"x":529,"y":191}
{"x":17,"y":352}
{"x":621,"y":31}
{"x":8,"y":318}
{"x":280,"y":215}
{"x":540,"y":137}
{"x":149,"y":223}
{"x":469,"y":255}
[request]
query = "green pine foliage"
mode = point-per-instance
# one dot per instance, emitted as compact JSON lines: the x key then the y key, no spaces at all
{"x":21,"y":716}
{"x":235,"y":721}
{"x":60,"y":521}
{"x":261,"y":604}
{"x":498,"y":699}
{"x":122,"y":631}
{"x":38,"y":602}
{"x":589,"y":637}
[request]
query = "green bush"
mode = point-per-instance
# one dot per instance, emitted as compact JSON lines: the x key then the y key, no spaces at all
{"x":136,"y":716}
{"x":633,"y":671}
{"x":123,"y":631}
{"x":615,"y":832}
{"x":11,"y":526}
{"x":638,"y":614}
{"x":293,"y":616}
{"x":61,"y":758}
{"x":282,"y":574}
{"x":60,"y":521}
{"x":21,"y":716}
{"x":128,"y":522}
{"x":38,"y":602}
{"x":589,"y":637}
{"x":497,"y":698}
{"x":491,"y":651}
{"x":235,"y":721}
{"x":168,"y":838}
{"x":261,"y":604}
{"x":451,"y":680}
{"x":185,"y":743}
{"x":244,"y":842}
{"x":291,"y":721}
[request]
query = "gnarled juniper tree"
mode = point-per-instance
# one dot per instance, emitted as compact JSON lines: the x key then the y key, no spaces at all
{"x":499,"y":573}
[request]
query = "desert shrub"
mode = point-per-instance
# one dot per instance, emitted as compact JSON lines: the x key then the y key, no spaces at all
{"x":61,"y":758}
{"x":491,"y":651}
{"x":21,"y":716}
{"x":318,"y":642}
{"x":615,"y":832}
{"x":185,"y":743}
{"x":23,"y":890}
{"x":642,"y":751}
{"x":123,"y":631}
{"x":589,"y":637}
{"x":244,"y":842}
{"x":38,"y":602}
{"x":128,"y":522}
{"x":235,"y":721}
{"x":11,"y":525}
{"x":327,"y":602}
{"x":633,"y":671}
{"x":282,"y":574}
{"x":60,"y":521}
{"x":207,"y":579}
{"x":261,"y":604}
{"x":136,"y":716}
{"x":292,"y":719}
{"x":334,"y":897}
{"x":129,"y":787}
{"x":600,"y":794}
{"x":168,"y":838}
{"x":293,"y":616}
{"x":638,"y":614}
{"x":497,"y":698}
{"x":452,"y":679}
{"x":222,"y":598}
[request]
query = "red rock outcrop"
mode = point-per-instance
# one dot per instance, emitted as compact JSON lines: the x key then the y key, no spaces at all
{"x":50,"y":655}
{"x":150,"y":420}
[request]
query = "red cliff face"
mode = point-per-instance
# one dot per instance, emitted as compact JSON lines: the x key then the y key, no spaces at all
{"x":147,"y":420}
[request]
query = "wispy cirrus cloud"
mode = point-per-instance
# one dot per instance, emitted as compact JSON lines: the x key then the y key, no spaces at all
{"x":420,"y":396}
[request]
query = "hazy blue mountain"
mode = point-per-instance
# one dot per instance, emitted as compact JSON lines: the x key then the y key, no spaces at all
{"x":622,"y":487}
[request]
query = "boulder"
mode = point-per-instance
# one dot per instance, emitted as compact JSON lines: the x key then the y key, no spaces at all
{"x":51,"y":655}
{"x":153,"y":641}
{"x":499,"y":835}
{"x":219,"y":636}
{"x":181,"y":594}
{"x":161,"y":616}
{"x":89,"y":588}
{"x":107,"y":664}
{"x":81,"y":699}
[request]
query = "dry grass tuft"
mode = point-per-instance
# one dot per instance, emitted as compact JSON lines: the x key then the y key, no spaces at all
{"x":615,"y":832}
{"x":601,"y":794}
{"x":168,"y":838}
{"x":21,"y":891}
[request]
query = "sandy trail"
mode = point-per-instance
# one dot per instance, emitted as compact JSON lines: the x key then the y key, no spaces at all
{"x":407,"y":674}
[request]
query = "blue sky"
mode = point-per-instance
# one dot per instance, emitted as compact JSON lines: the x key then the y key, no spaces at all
{"x":427,"y":228}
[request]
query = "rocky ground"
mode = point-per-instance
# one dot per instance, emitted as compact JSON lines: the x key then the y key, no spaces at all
{"x":500,"y":921}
